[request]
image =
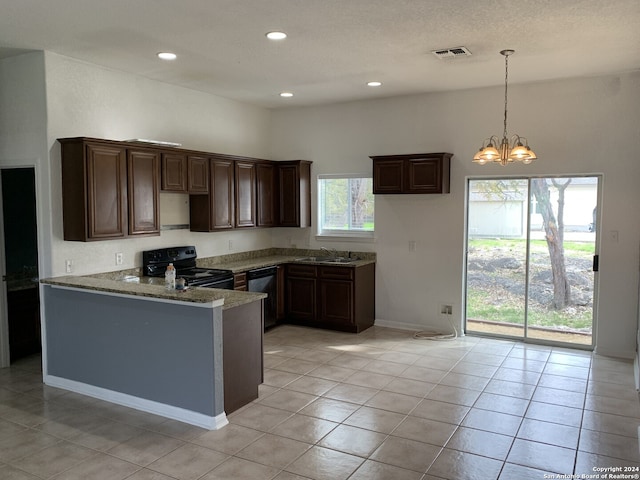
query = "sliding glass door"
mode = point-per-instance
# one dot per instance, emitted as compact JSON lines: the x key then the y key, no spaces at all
{"x":531,"y":244}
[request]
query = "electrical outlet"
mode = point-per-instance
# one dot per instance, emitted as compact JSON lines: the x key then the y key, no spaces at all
{"x":68,"y":266}
{"x":446,"y":309}
{"x":119,"y":258}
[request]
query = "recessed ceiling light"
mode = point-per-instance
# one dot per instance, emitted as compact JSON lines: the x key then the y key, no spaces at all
{"x":374,"y":84}
{"x":167,"y":56}
{"x":286,"y":94}
{"x":276,"y":35}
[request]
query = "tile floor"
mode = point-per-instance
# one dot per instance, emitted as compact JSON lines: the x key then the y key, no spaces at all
{"x":379,"y":405}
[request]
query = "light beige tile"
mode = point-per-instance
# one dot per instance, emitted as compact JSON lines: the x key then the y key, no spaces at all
{"x":353,"y":440}
{"x":547,"y":412}
{"x":566,"y":371}
{"x":423,"y":374}
{"x":289,"y":476}
{"x":331,"y":372}
{"x":107,"y":435}
{"x":551,"y":433}
{"x":604,"y":389}
{"x":236,"y":468}
{"x":616,"y":406}
{"x":484,"y":359}
{"x":425,"y":430}
{"x":288,"y":400}
{"x":570,"y":384}
{"x":559,"y":397}
{"x":476,"y":369}
{"x":278,"y":378}
{"x":329,"y":409}
{"x":352,"y":362}
{"x":510,"y":389}
{"x":504,"y":404}
{"x":133,"y":417}
{"x":542,"y":456}
{"x":385,"y":367}
{"x":585,"y":462}
{"x":371,"y":470}
{"x":480,"y":442}
{"x":229,"y":439}
{"x":260,"y":417}
{"x":455,"y":395}
{"x":188,"y":462}
{"x":530,"y":354}
{"x":608,"y":423}
{"x":311,"y":385}
{"x":303,"y":428}
{"x":524,"y":364}
{"x":145,"y":448}
{"x":53,"y":460}
{"x":399,"y":357}
{"x":374,"y":419}
{"x":518,"y":376}
{"x":570,"y":359}
{"x":610,"y":376}
{"x":368,"y":379}
{"x":25,"y":443}
{"x":491,"y":421}
{"x":8,"y":429}
{"x":452,"y":464}
{"x":405,"y":453}
{"x":462,"y":380}
{"x":436,"y":363}
{"x":274,"y":451}
{"x":351,"y":393}
{"x":393,"y":402}
{"x":180,"y":430}
{"x":511,"y":471}
{"x":7,"y":472}
{"x":407,"y":386}
{"x":318,"y":356}
{"x":609,"y":445}
{"x":324,"y":464}
{"x":99,"y":467}
{"x":441,"y":411}
{"x":295,"y":365}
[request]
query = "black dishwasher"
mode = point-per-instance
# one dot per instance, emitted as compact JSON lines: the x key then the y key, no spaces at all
{"x":265,"y":280}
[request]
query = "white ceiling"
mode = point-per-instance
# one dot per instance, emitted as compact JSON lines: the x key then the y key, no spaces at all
{"x":334,"y":46}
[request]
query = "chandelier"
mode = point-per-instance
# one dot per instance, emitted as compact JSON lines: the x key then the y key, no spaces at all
{"x":509,"y":150}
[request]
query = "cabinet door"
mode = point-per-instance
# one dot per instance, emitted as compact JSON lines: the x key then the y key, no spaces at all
{"x":143,"y":168}
{"x":265,"y":182}
{"x":336,"y":296}
{"x":388,"y":176}
{"x":301,"y":289}
{"x":425,"y":175}
{"x":106,"y":192}
{"x":294,"y":185}
{"x":174,"y":172}
{"x":198,"y":174}
{"x":221,"y":195}
{"x":245,"y":183}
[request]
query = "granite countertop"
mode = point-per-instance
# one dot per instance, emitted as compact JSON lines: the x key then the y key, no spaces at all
{"x":154,"y":288}
{"x":132,"y":282}
{"x":246,"y":261}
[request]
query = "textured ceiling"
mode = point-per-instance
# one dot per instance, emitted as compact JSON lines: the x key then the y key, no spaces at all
{"x":334,"y":46}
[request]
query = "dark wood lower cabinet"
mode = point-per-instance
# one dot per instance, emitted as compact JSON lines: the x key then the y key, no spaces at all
{"x":337,"y":298}
{"x":242,"y":354}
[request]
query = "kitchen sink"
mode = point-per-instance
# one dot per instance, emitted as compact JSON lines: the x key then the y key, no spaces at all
{"x":342,"y":260}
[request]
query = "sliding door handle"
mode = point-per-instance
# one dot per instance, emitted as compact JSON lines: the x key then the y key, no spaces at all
{"x":596,"y":262}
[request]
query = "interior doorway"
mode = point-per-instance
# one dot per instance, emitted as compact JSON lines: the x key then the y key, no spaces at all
{"x":532,"y":258}
{"x":20,"y":249}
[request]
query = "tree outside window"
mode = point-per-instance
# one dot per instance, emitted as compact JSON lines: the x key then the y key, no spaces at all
{"x":346,"y":205}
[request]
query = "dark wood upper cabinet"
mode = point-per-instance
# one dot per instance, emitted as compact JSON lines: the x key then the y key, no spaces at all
{"x":198,"y":174}
{"x":215,"y":211}
{"x":265,"y":193}
{"x":143,"y":173}
{"x":174,"y":172}
{"x":294,"y":186}
{"x":245,"y":194}
{"x":104,"y":199}
{"x":415,"y":173}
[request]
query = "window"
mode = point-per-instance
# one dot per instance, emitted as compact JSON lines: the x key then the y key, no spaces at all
{"x":345,"y":205}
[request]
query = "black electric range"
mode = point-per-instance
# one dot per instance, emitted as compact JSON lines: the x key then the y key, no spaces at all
{"x":155,"y":262}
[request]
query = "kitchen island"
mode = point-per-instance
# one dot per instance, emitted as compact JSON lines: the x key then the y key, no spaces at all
{"x":193,"y":356}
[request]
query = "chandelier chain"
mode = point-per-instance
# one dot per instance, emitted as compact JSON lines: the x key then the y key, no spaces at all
{"x":506,"y":83}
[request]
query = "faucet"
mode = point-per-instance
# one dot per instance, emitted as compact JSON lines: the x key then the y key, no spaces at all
{"x":333,"y":252}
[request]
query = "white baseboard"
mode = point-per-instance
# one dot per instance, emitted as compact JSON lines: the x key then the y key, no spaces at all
{"x":149,"y":406}
{"x":625,"y":354}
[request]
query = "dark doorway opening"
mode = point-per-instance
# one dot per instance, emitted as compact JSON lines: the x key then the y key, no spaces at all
{"x":21,"y":261}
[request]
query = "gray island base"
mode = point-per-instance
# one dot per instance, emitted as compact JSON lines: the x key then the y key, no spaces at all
{"x":157,"y":354}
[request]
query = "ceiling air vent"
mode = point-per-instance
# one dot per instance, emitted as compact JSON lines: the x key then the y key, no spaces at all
{"x":452,"y":52}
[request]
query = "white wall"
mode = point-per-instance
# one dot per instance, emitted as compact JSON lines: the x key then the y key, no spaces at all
{"x":576,"y":126}
{"x":87,"y":100}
